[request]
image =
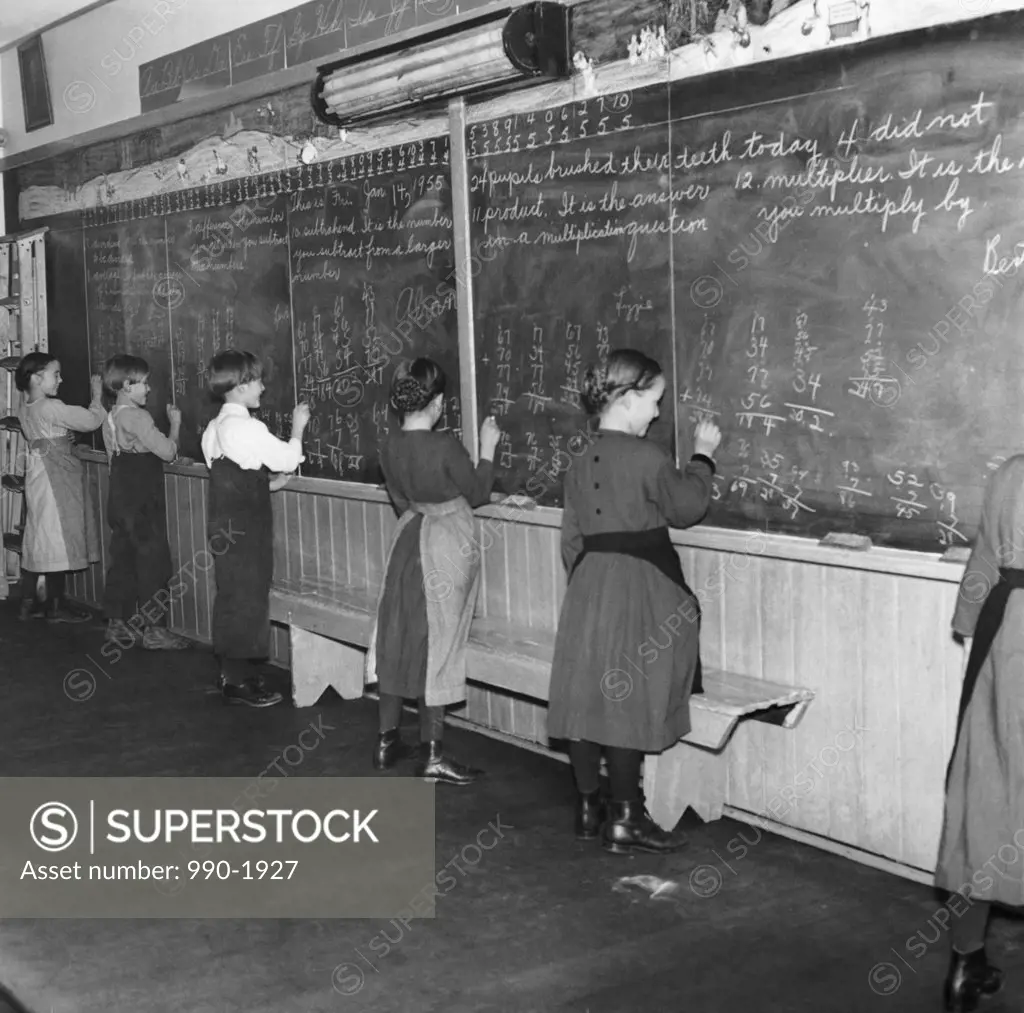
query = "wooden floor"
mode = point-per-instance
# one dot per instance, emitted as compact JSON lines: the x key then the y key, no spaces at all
{"x":542,"y":923}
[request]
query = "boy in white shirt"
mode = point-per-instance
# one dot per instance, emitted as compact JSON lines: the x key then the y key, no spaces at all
{"x":241,"y":453}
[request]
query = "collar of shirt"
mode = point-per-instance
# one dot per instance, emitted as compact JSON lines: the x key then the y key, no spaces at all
{"x":230,"y":408}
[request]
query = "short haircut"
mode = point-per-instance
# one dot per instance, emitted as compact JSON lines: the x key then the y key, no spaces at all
{"x":231,"y":368}
{"x":120,"y":370}
{"x":30,"y":365}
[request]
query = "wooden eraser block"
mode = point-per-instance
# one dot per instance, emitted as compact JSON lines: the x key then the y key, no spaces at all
{"x":956,"y":554}
{"x":838,"y":540}
{"x":523,"y":502}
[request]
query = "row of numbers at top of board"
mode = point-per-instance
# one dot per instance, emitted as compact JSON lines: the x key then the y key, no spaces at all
{"x":606,"y":114}
{"x":432,"y":153}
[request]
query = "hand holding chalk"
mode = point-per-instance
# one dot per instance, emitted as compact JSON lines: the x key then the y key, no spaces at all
{"x":96,"y":386}
{"x":300,"y":419}
{"x":706,"y":438}
{"x":490,"y":434}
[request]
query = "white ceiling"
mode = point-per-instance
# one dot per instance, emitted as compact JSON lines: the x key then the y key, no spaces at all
{"x":19,"y":18}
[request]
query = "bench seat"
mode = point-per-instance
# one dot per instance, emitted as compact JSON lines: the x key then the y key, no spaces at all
{"x":516,"y":660}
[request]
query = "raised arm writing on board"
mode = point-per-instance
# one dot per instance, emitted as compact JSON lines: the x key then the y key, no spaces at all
{"x":476,"y":483}
{"x":684,"y":496}
{"x":83,"y":420}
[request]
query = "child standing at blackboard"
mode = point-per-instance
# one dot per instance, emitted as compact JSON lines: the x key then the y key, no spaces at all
{"x":241,"y":453}
{"x":60,"y":533}
{"x":618,"y":679}
{"x":137,"y":582}
{"x":431,"y":581}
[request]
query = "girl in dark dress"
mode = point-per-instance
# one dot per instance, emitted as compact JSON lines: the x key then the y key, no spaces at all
{"x":983,"y":828}
{"x":623,"y":673}
{"x":418,"y":646}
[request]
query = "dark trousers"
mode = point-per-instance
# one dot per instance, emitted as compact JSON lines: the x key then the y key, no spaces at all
{"x":241,"y":539}
{"x":140,"y":558}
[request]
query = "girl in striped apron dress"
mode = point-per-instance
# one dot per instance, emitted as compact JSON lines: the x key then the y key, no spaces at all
{"x":61,"y":532}
{"x":418,"y":646}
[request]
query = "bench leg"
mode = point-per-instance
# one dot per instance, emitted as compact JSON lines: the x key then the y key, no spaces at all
{"x":682,"y":776}
{"x":319,"y":662}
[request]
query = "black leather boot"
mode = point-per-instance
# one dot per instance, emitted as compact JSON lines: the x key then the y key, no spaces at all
{"x":630,"y":828}
{"x":590,"y":814}
{"x":970,"y":977}
{"x":389,"y":750}
{"x":434,"y":766}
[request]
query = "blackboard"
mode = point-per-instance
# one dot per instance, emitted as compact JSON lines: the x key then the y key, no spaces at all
{"x":124,"y":266}
{"x":66,"y":317}
{"x":840,"y":274}
{"x":838,"y":318}
{"x":228,"y":287}
{"x":331,"y":273}
{"x":570,"y":259}
{"x":372,"y":283}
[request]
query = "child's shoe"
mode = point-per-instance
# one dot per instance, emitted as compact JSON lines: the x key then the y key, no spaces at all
{"x":253,"y":692}
{"x":630,"y":828}
{"x":437,"y":768}
{"x":159,"y":638}
{"x":389,"y":750}
{"x":590,"y":815}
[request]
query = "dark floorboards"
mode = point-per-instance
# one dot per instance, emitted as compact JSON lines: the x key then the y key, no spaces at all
{"x":541,"y":923}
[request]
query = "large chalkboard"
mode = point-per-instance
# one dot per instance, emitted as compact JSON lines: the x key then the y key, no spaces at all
{"x":840,"y":316}
{"x":331,"y":273}
{"x":372,"y":283}
{"x":571,"y":259}
{"x":124,"y":264}
{"x":839,"y":273}
{"x":228,"y":287}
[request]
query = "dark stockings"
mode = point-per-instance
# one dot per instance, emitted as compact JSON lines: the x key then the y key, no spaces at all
{"x":969,"y":929}
{"x":431,"y":718}
{"x":236,"y":670}
{"x":54,"y":585}
{"x":623,"y":769}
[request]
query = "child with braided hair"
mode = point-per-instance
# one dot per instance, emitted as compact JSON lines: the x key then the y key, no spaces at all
{"x":431,"y":581}
{"x":618,"y":679}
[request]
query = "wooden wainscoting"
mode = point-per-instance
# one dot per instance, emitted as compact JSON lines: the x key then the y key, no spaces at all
{"x":868,"y":632}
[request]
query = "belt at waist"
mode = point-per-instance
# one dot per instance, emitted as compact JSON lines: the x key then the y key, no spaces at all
{"x":1015,"y":578}
{"x":654,"y":546}
{"x":56,"y":443}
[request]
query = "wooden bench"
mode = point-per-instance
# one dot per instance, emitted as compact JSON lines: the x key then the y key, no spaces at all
{"x":330,"y":630}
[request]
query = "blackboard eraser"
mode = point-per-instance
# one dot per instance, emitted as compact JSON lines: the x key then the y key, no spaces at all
{"x":518,"y":500}
{"x":956,"y":554}
{"x":841,"y":540}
